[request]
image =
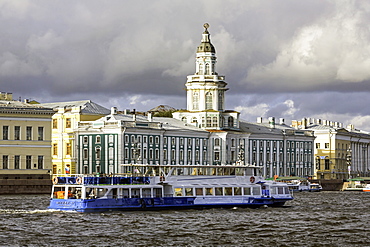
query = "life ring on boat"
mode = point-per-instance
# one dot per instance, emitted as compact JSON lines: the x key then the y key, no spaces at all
{"x":252,"y":180}
{"x":79,"y":180}
{"x":55,"y":180}
{"x":161,"y":178}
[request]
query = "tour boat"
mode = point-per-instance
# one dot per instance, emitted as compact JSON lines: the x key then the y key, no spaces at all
{"x":160,"y":187}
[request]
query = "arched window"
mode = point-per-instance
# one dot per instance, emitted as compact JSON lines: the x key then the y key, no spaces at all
{"x":217,"y":142}
{"x":195,"y":101}
{"x":230,"y":122}
{"x":207,"y":69}
{"x":183,"y":119}
{"x":220,"y":101}
{"x":208,"y":101}
{"x":200,"y":69}
{"x":97,"y":153}
{"x":194,"y":120}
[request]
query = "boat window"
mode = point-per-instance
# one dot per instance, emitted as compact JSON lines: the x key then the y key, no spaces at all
{"x":281,"y":190}
{"x":247,"y":191}
{"x":209,"y":191}
{"x":228,"y":191}
{"x":237,"y":191}
{"x":256,"y":190}
{"x":199,"y":191}
{"x":219,"y":191}
{"x":74,"y":193}
{"x":147,"y":192}
{"x":58,"y":193}
{"x":135,"y":193}
{"x":189,"y":191}
{"x":286,"y":189}
{"x":101,"y":192}
{"x":157,"y":192}
{"x":90,"y":193}
{"x":125,"y":193}
{"x":178,"y":192}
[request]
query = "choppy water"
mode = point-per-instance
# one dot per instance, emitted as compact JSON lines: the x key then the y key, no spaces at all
{"x":312,"y":219}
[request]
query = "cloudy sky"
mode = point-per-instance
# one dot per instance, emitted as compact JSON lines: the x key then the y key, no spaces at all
{"x":287,"y":59}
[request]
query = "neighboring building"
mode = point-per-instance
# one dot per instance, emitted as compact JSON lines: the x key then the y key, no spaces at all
{"x":279,"y":149}
{"x":64,"y":122}
{"x":105,"y":144}
{"x":25,"y":145}
{"x":340,"y":153}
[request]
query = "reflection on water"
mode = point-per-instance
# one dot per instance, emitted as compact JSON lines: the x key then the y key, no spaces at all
{"x":312,"y":219}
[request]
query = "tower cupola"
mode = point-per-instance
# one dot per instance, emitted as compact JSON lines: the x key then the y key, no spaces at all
{"x":206,"y":45}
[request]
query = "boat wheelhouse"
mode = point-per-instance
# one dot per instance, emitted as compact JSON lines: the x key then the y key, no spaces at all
{"x":158,"y":187}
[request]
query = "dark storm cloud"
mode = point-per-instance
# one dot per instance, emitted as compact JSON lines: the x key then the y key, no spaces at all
{"x":288,"y":58}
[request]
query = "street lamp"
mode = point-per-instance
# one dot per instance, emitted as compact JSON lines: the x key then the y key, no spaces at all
{"x":349,"y":161}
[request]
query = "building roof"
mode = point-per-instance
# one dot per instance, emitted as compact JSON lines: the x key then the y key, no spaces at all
{"x":262,"y":128}
{"x":167,"y":123}
{"x":276,"y":129}
{"x":13,"y":106}
{"x":87,"y":107}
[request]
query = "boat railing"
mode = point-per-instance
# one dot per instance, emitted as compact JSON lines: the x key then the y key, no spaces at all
{"x":101,"y":180}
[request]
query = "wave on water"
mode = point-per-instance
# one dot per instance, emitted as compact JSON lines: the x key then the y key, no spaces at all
{"x":36,"y":211}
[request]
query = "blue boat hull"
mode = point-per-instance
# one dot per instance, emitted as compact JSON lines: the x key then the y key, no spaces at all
{"x":140,"y":204}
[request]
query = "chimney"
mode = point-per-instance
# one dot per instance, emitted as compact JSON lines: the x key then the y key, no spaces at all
{"x":134,"y":117}
{"x":304,"y":123}
{"x":150,"y":117}
{"x":113,"y":110}
{"x":281,"y":121}
{"x":272,"y":122}
{"x":126,"y":111}
{"x":259,"y":120}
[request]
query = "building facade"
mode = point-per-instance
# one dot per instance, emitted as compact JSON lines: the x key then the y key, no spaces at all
{"x":116,"y":139}
{"x":279,"y":149}
{"x":25,"y":144}
{"x":64,"y":122}
{"x":340,"y":153}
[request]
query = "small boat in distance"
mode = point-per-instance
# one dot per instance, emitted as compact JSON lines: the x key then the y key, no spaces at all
{"x":356,"y":184}
{"x":158,"y":187}
{"x":366,"y":188}
{"x":298,"y":184}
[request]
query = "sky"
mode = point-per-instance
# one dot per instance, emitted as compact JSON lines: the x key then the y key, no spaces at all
{"x":285,"y":59}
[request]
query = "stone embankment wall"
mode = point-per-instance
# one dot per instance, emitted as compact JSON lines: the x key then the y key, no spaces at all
{"x":330,"y":185}
{"x":25,"y":184}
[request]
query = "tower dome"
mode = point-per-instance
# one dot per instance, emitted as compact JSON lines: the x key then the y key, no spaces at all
{"x":206,"y":45}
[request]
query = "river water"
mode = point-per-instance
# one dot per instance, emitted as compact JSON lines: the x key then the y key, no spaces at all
{"x":312,"y":219}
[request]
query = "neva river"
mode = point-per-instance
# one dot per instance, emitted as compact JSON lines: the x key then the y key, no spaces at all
{"x":312,"y":219}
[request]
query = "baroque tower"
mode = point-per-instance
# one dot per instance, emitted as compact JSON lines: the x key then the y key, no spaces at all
{"x":206,"y":92}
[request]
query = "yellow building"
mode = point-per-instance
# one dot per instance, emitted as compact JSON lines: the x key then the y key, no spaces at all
{"x":25,"y":140}
{"x":340,"y":153}
{"x":64,"y":122}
